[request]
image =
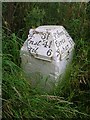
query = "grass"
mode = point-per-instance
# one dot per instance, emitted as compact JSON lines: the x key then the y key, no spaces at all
{"x":30,"y":104}
{"x":71,"y":98}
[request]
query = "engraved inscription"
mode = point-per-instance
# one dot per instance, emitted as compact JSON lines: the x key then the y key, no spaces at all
{"x":45,"y":35}
{"x":49,"y":52}
{"x":57,"y":34}
{"x":64,"y":48}
{"x":41,"y":43}
{"x":59,"y":43}
{"x":33,"y":50}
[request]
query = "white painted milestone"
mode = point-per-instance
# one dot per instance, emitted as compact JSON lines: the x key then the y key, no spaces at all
{"x":48,"y":50}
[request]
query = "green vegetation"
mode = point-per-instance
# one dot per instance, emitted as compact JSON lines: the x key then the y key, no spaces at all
{"x":71,"y":98}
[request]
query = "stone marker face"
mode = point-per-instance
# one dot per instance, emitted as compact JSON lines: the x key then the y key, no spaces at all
{"x":46,"y":42}
{"x":46,"y":51}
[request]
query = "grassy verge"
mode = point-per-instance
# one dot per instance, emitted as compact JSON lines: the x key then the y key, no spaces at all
{"x":71,"y":99}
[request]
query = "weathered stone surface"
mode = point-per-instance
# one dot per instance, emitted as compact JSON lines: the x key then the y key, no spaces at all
{"x":46,"y":52}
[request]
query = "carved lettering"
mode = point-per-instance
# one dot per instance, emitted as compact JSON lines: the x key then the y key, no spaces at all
{"x":59,"y":43}
{"x":71,"y":42}
{"x":37,"y":43}
{"x":64,"y":48}
{"x":58,"y":34}
{"x":33,"y":50}
{"x":31,"y":42}
{"x":58,"y":53}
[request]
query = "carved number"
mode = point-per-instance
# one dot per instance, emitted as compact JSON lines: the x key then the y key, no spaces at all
{"x":49,"y":52}
{"x":45,"y":35}
{"x":45,"y":44}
